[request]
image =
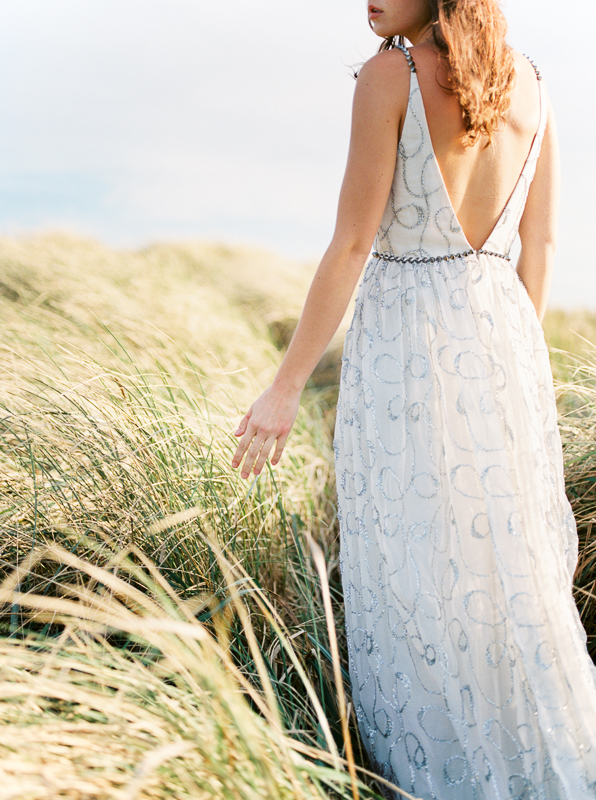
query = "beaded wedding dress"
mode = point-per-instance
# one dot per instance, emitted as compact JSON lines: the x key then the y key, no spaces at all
{"x":468,"y":662}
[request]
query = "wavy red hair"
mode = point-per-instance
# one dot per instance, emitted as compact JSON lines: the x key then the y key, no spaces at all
{"x":470,"y":35}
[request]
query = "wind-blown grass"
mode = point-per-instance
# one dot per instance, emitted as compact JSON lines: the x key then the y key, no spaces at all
{"x":120,"y":390}
{"x":569,"y":334}
{"x":577,"y":421}
{"x":167,"y":632}
{"x":572,"y":339}
{"x":169,"y":714}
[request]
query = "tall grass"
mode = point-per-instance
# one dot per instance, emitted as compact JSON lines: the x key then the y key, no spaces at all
{"x":134,"y":697}
{"x":120,"y":388}
{"x":577,"y":422}
{"x":569,"y":334}
{"x":168,"y":629}
{"x":572,"y":339}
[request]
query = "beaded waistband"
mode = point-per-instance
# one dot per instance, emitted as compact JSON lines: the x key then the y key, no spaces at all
{"x":433,"y":259}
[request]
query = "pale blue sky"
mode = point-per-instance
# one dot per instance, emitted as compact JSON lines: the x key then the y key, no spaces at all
{"x":137,"y":120}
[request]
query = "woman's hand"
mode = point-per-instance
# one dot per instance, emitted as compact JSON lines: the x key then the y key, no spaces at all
{"x":268,"y":422}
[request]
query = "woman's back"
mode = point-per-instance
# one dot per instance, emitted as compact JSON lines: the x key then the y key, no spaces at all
{"x":490,"y":182}
{"x":478,"y":179}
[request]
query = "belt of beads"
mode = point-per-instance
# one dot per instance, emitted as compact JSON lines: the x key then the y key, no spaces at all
{"x":433,"y":259}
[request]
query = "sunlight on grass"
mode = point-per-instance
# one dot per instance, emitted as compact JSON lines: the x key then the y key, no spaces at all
{"x":123,"y":378}
{"x":169,"y":630}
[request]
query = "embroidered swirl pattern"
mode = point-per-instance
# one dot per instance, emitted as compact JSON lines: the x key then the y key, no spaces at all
{"x":468,"y":663}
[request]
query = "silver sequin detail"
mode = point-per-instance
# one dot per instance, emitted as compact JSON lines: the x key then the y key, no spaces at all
{"x":536,"y":70}
{"x":469,"y":671}
{"x":435,"y":259}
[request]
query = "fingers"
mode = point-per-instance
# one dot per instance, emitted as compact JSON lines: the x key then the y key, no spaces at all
{"x":260,"y":444}
{"x":281,"y":443}
{"x":243,"y":445}
{"x":258,"y":433}
{"x":257,"y":447}
{"x":241,"y":429}
{"x":262,"y":457}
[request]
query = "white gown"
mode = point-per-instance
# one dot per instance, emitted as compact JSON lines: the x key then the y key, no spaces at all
{"x":468,"y":661}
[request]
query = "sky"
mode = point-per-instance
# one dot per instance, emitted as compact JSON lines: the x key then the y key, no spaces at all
{"x":134,"y":121}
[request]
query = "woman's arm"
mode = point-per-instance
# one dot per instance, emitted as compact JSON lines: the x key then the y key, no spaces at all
{"x":380,"y":103}
{"x":538,"y":226}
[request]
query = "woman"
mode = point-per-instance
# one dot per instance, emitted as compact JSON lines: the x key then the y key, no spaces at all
{"x":469,"y":669}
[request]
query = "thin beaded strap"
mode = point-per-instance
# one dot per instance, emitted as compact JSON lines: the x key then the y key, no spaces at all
{"x":536,"y":70}
{"x":434,"y":259}
{"x":407,"y":54}
{"x":410,"y":60}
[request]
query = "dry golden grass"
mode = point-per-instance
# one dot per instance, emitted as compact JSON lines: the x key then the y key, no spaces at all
{"x":123,"y":376}
{"x":569,"y":334}
{"x":174,"y":717}
{"x":170,"y":635}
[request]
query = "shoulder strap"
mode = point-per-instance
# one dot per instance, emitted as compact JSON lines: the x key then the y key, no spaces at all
{"x":536,"y":70}
{"x":543,"y":107}
{"x":406,"y":52}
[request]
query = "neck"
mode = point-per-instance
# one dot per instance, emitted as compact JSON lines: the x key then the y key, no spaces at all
{"x":423,"y":35}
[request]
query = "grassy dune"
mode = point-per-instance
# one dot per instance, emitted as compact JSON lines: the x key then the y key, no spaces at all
{"x":123,"y":375}
{"x":167,"y":629}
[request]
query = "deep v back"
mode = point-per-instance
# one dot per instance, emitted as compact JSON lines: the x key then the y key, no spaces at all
{"x":419,"y":219}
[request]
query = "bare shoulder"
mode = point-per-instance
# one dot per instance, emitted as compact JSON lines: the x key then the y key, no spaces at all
{"x":384,"y":81}
{"x":387,"y":74}
{"x":390,"y":65}
{"x":523,"y":66}
{"x":525,"y":96}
